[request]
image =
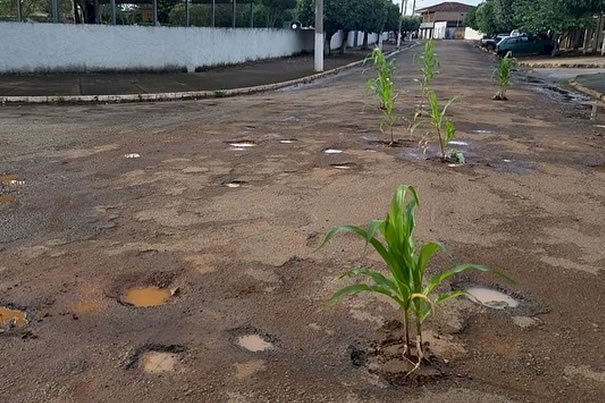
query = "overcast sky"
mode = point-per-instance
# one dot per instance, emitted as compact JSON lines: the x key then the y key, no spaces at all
{"x":426,"y":3}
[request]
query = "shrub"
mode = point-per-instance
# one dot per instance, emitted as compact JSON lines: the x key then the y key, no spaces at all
{"x":503,"y":76}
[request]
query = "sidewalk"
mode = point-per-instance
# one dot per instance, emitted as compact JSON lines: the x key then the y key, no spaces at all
{"x":218,"y":78}
{"x":591,"y":84}
{"x":563,"y":62}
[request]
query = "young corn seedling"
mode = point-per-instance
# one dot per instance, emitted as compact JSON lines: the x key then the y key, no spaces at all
{"x":429,"y":63}
{"x":383,"y":87}
{"x":405,"y":281}
{"x":503,"y":76}
{"x":439,"y":124}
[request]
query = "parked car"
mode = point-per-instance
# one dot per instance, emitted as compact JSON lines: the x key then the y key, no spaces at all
{"x":525,"y":45}
{"x":490,"y":42}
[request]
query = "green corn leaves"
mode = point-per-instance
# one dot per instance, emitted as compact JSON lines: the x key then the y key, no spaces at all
{"x":404,"y":282}
{"x":503,"y":75}
{"x":383,"y":87}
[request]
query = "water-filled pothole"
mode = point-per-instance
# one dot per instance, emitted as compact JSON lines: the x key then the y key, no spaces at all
{"x":482,"y":131}
{"x":491,"y":298}
{"x":458,"y":143}
{"x":131,"y":156}
{"x":7,"y":198}
{"x":155,"y":362}
{"x":12,"y":317}
{"x":254,"y":343}
{"x":156,"y":358}
{"x":288,"y":141}
{"x":9,"y":180}
{"x":331,"y":150}
{"x":142,"y":297}
{"x":243,"y":144}
{"x":344,"y":165}
{"x":234,"y":184}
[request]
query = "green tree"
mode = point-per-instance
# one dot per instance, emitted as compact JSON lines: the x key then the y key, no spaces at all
{"x":277,"y":11}
{"x":409,"y":23}
{"x":370,"y":17}
{"x":471,"y":19}
{"x":391,"y":23}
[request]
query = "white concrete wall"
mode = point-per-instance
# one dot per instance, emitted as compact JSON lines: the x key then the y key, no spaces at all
{"x":471,"y":34}
{"x":338,"y":37}
{"x":37,"y":47}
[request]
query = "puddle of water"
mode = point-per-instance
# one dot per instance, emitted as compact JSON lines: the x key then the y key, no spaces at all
{"x":288,"y":141}
{"x":505,"y":160}
{"x":601,"y":126}
{"x":7,"y":198}
{"x":344,"y":165}
{"x":234,"y":184}
{"x":11,"y":180}
{"x":458,"y":143}
{"x":155,"y":362}
{"x":254,"y":343}
{"x":492,"y":298}
{"x":332,"y":151}
{"x":243,"y":144}
{"x":132,"y":155}
{"x":142,"y":297}
{"x":12,"y":317}
{"x":482,"y":131}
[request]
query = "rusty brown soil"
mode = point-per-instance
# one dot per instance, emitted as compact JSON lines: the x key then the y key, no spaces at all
{"x":84,"y":224}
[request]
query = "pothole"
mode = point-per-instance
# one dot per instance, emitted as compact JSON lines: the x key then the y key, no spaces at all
{"x":331,"y":150}
{"x":252,"y":339}
{"x":254,"y":343}
{"x":491,"y":298}
{"x":482,"y":131}
{"x":12,"y":317}
{"x":142,"y":297}
{"x":287,"y":141}
{"x":234,"y":184}
{"x":344,"y":165}
{"x":458,"y":143}
{"x":242,"y":144}
{"x":7,"y":198}
{"x":157,"y":358}
{"x":8,"y":179}
{"x":132,"y":156}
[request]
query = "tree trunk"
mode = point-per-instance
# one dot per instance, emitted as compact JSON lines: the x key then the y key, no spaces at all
{"x":365,"y":41}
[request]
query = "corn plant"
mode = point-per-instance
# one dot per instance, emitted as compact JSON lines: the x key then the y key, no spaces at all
{"x":429,"y":63}
{"x":383,"y":87}
{"x":503,"y":76}
{"x":406,"y":281}
{"x":439,"y":124}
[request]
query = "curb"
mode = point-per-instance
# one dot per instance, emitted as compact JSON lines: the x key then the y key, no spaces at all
{"x":562,"y":65}
{"x":180,"y":96}
{"x":588,"y":91}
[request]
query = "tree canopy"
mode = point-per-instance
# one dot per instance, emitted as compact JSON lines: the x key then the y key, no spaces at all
{"x":536,"y":16}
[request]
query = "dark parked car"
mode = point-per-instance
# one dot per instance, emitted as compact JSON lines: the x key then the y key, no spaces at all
{"x":525,"y":45}
{"x":490,"y":42}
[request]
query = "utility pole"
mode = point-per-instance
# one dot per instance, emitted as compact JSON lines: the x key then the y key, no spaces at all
{"x":186,"y":13}
{"x":112,"y":4}
{"x":319,"y":35}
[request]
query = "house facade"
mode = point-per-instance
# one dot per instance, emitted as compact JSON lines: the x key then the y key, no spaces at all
{"x":443,"y":20}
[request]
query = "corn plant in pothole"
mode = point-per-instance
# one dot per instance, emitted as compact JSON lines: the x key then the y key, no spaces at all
{"x":384,"y":88}
{"x":503,"y":75}
{"x":429,"y":64}
{"x":406,"y":281}
{"x":437,"y":123}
